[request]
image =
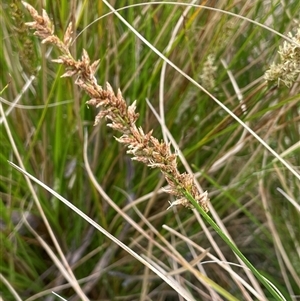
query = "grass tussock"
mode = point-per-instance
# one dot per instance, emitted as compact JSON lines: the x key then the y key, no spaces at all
{"x":202,"y":105}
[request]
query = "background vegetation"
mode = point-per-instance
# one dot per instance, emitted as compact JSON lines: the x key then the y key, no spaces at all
{"x":253,"y":196}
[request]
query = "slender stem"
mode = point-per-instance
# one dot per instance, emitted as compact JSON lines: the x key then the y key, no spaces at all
{"x":234,"y":248}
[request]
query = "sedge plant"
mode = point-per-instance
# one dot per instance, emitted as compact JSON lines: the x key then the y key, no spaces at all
{"x":145,"y":148}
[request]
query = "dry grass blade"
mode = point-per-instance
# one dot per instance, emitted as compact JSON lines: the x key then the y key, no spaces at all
{"x":167,"y":279}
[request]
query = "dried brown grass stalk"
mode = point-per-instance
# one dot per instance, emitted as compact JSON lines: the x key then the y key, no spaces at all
{"x":144,"y":147}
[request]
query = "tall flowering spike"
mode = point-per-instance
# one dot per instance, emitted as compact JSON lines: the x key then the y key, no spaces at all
{"x":144,"y":147}
{"x":43,"y":26}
